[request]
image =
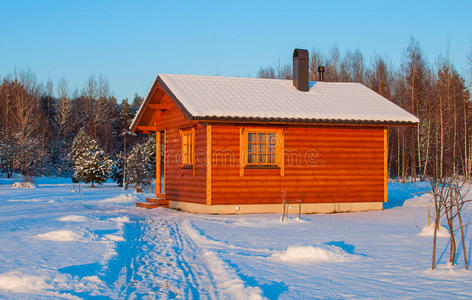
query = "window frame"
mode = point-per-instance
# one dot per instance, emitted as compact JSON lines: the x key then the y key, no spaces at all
{"x":187,"y":150}
{"x":256,"y":152}
{"x":279,"y":149}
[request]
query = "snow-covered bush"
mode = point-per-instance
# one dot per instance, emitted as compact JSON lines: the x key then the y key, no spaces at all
{"x":23,"y":185}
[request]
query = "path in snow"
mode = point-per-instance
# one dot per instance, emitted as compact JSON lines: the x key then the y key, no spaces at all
{"x":97,"y":243}
{"x":170,"y":259}
{"x":167,"y":263}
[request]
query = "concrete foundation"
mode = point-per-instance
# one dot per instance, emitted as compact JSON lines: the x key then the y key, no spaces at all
{"x":306,"y":208}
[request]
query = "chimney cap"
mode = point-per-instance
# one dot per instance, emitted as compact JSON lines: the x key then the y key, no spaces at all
{"x":300,"y":53}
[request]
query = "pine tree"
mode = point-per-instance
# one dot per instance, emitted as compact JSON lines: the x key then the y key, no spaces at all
{"x":137,"y":101}
{"x":79,"y":145}
{"x":117,"y":169}
{"x":150,"y":152}
{"x":91,"y":164}
{"x":125,"y":114}
{"x":137,"y":167}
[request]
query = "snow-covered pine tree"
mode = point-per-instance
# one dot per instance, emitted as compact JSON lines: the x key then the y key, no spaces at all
{"x":79,"y":145}
{"x":117,"y":169}
{"x":150,"y":150}
{"x":125,"y":114}
{"x":7,"y":153}
{"x":138,"y":171}
{"x":91,"y":164}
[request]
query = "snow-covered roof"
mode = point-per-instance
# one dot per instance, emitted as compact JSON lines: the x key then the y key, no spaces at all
{"x":235,"y":98}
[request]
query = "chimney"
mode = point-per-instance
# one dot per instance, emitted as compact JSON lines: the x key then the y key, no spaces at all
{"x":300,"y":69}
{"x":321,"y":70}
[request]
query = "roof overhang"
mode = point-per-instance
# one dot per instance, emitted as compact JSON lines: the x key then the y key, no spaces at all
{"x":305,"y":121}
{"x":157,"y":83}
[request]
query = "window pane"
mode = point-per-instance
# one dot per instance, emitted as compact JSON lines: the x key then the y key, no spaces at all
{"x":261,"y":159}
{"x":271,"y":149}
{"x":261,"y":137}
{"x":251,"y":148}
{"x":187,"y":148}
{"x":251,"y":158}
{"x":252,"y":137}
{"x":271,"y":159}
{"x":262,"y":148}
{"x":272,"y":138}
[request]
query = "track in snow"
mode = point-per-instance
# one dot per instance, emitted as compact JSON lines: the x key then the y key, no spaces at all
{"x":168,"y":258}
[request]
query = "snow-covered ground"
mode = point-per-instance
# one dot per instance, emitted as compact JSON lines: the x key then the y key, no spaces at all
{"x":56,"y":242}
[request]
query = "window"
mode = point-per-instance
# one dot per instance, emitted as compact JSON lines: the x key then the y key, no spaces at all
{"x":188,"y":147}
{"x":262,"y":148}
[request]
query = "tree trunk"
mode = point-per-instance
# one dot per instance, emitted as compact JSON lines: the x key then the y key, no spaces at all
{"x":419,"y":148}
{"x":403,"y":160}
{"x":454,"y":147}
{"x":459,"y":216}
{"x":466,"y":159}
{"x":398,"y":153}
{"x":428,"y":137}
{"x":450,"y":223}
{"x":436,"y":226}
{"x":442,"y":137}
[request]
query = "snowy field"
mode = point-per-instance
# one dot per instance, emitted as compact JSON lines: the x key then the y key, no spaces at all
{"x":57,"y":243}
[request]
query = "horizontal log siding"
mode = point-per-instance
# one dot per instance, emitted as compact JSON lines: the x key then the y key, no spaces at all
{"x":181,"y":184}
{"x":325,"y":164}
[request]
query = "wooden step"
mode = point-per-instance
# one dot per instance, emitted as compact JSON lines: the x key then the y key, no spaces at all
{"x":148,"y":205}
{"x":161,"y":201}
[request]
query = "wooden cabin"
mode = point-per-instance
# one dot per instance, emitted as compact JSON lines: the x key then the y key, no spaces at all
{"x":237,"y":145}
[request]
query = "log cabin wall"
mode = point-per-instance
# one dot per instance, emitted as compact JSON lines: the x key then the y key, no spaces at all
{"x":324,"y":164}
{"x":182,"y":184}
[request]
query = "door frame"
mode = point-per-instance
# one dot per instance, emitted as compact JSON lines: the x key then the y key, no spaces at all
{"x":161,"y":147}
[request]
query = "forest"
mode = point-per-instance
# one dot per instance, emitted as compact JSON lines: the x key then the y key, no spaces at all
{"x":39,"y":121}
{"x":436,"y":93}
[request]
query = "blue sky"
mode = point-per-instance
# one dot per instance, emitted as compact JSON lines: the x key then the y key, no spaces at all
{"x":129,"y":42}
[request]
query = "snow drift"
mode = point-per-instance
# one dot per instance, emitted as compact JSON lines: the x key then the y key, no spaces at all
{"x":297,"y":254}
{"x":73,"y":218}
{"x":123,"y":219}
{"x":229,"y":282}
{"x":428,"y":230}
{"x":15,"y":281}
{"x":59,"y":236}
{"x":123,"y":198}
